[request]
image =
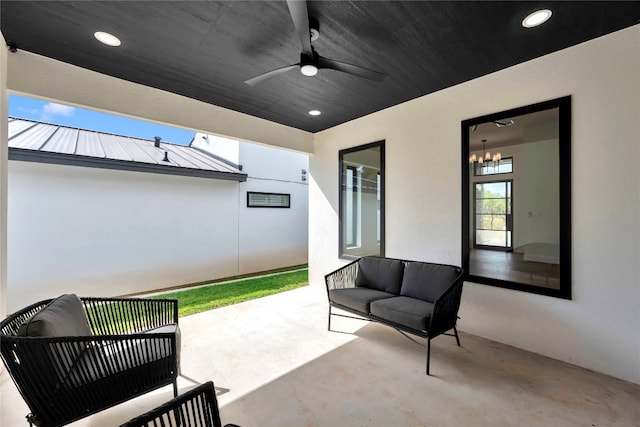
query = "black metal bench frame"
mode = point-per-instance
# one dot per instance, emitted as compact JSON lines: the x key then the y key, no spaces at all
{"x":443,"y":319}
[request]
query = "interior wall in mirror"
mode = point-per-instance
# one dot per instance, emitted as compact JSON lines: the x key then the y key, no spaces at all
{"x":361,"y":203}
{"x":516,"y":198}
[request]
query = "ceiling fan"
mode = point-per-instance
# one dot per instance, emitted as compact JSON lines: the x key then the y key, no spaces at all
{"x":310,"y":60}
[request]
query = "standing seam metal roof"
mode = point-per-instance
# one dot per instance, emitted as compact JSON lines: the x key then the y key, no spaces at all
{"x":43,"y":142}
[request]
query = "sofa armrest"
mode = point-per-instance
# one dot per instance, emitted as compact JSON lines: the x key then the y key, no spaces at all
{"x":445,"y":309}
{"x":115,"y":316}
{"x":44,"y":365}
{"x":107,"y":356}
{"x":344,"y":277}
{"x":198,"y":406}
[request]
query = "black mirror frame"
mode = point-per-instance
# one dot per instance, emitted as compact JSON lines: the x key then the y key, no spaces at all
{"x":341,"y":154}
{"x":564,"y":110}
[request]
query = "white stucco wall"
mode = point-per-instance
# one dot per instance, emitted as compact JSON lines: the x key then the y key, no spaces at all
{"x":272,"y":238}
{"x":269,"y":238}
{"x":106,"y":232}
{"x":226,"y":148}
{"x":538,"y":193}
{"x":599,"y":328}
{"x":3,"y":178}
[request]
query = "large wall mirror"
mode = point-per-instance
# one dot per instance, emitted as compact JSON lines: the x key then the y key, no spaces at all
{"x":361,"y":203}
{"x":516,"y":198}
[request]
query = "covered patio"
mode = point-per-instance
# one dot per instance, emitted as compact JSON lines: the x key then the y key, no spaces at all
{"x":273,"y":360}
{"x":275,"y":364}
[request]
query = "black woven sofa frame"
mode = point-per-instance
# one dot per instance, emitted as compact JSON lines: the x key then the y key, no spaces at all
{"x":433,"y":303}
{"x":195,"y":408}
{"x":132,"y":348}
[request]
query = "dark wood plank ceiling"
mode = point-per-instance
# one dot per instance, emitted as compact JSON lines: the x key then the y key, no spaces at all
{"x":206,"y":49}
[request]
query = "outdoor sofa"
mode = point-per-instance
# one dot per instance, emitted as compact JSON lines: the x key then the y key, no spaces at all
{"x":71,"y":357}
{"x":415,"y":297}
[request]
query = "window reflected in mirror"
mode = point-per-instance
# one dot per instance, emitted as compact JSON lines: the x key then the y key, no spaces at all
{"x":516,"y":198}
{"x":361,"y":202}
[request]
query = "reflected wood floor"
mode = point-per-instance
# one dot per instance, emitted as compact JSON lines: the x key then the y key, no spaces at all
{"x":511,"y":266}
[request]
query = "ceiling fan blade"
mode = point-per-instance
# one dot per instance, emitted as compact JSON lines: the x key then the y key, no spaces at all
{"x":269,"y":74}
{"x":300,"y":17}
{"x":351,"y":69}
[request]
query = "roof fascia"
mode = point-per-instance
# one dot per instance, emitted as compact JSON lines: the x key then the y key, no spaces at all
{"x":23,"y":155}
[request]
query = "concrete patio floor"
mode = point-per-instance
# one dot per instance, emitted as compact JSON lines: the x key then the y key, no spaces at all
{"x":275,"y":364}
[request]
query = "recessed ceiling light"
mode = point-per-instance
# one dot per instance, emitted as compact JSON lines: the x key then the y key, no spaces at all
{"x":106,"y":38}
{"x":315,"y":113}
{"x":536,"y":18}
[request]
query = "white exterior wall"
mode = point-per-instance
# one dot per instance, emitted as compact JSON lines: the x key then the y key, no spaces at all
{"x":228,"y":149}
{"x":599,"y":328}
{"x":269,"y":238}
{"x":107,"y":232}
{"x":273,"y":237}
{"x":4,"y":129}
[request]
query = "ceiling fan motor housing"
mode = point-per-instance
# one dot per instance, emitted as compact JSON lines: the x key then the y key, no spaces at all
{"x":309,"y":60}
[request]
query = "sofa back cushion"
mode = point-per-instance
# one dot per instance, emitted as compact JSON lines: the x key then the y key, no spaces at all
{"x":383,"y":274}
{"x":62,"y":317}
{"x":427,"y":281}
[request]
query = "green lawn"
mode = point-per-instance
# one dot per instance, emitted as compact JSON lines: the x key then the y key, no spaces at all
{"x":205,"y":298}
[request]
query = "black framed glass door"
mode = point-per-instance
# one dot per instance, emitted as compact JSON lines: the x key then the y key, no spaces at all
{"x":493,"y":215}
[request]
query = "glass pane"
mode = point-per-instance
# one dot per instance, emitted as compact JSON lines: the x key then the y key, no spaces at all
{"x":494,"y":168}
{"x":492,"y":214}
{"x":362,"y":206}
{"x":492,"y":189}
{"x":491,"y":222}
{"x":268,"y":200}
{"x":491,"y":238}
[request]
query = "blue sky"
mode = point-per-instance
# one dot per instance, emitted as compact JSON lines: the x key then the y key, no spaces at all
{"x":50,"y":112}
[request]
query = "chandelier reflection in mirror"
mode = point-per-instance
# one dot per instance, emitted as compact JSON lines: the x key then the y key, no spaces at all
{"x":473,"y":159}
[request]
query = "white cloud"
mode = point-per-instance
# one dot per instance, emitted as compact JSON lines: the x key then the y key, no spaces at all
{"x":29,"y":111}
{"x":51,"y":109}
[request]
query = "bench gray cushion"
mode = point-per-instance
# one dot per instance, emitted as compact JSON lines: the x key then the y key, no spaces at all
{"x":426,"y":281}
{"x":382,"y":274}
{"x":405,"y":311}
{"x":357,"y":298}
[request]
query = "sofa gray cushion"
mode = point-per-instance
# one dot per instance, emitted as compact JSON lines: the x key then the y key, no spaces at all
{"x":426,"y":281}
{"x":62,"y":317}
{"x":357,"y":298}
{"x":172,"y":329}
{"x":410,"y":312}
{"x":382,"y":274}
{"x":103,"y":360}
